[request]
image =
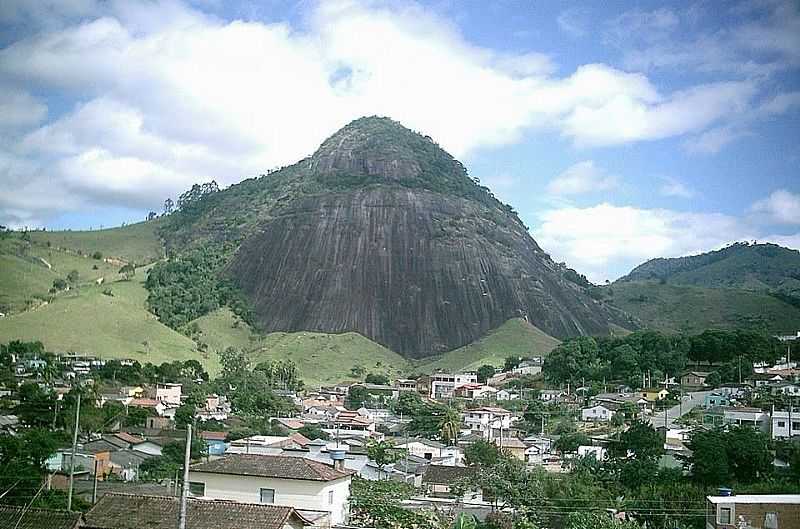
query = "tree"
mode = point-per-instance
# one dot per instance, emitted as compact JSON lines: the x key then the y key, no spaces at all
{"x":485,"y":372}
{"x":713,"y":379}
{"x":383,"y":453}
{"x":97,"y":256}
{"x":168,"y":206}
{"x":640,"y":441}
{"x":59,"y":284}
{"x":128,"y":270}
{"x":511,"y":362}
{"x":709,"y":460}
{"x":73,"y":276}
{"x":357,"y":396}
{"x":481,"y":453}
{"x":450,"y":425}
{"x":377,"y":378}
{"x":185,"y":415}
{"x":313,"y":431}
{"x":152,"y":215}
{"x":569,"y":443}
{"x":590,"y":520}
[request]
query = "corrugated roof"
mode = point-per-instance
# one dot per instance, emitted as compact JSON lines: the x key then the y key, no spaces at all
{"x":445,"y":475}
{"x":129,"y":511}
{"x":283,"y":467}
{"x":11,"y":516}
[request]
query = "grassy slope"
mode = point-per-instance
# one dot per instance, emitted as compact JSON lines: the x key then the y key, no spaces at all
{"x":86,"y":320}
{"x":694,"y":309}
{"x":138,"y":243}
{"x":515,"y":337}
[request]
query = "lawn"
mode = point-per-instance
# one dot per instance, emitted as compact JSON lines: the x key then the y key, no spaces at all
{"x":516,"y":337}
{"x":138,"y":243}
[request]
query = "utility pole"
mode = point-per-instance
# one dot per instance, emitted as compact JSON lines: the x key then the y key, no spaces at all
{"x":185,"y":491}
{"x":94,"y":486}
{"x":72,"y":457}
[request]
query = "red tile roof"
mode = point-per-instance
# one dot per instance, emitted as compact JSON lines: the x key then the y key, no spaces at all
{"x":283,"y":467}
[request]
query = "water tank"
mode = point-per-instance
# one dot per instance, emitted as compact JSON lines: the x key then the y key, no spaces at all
{"x":724,"y":491}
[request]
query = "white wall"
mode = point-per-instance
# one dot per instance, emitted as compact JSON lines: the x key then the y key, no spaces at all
{"x":300,"y":494}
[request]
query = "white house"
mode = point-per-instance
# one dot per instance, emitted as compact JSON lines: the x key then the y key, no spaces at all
{"x":783,"y":427}
{"x":169,"y":394}
{"x":504,"y":394}
{"x":432,"y":451}
{"x":598,"y":452}
{"x":279,"y":480}
{"x":488,"y":421}
{"x":532,"y":366}
{"x":551,"y":395}
{"x":444,"y":384}
{"x":598,"y":412}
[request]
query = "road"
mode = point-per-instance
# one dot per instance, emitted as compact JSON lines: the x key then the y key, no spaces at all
{"x":691,"y":400}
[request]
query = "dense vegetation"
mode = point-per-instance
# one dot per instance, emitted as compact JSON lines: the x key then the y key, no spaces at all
{"x":186,"y":287}
{"x":627,"y":358}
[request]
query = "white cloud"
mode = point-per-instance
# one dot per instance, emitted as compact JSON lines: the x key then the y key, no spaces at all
{"x":781,"y":207}
{"x":18,"y":109}
{"x":676,"y":188}
{"x":169,"y":95}
{"x":606,"y":241}
{"x":582,"y":177}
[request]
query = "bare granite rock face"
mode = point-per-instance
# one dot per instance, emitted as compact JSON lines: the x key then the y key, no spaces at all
{"x":382,"y":232}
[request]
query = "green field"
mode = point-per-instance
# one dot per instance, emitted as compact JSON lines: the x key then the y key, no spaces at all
{"x":690,"y":309}
{"x":516,"y":337}
{"x":137,"y":243}
{"x":86,"y":320}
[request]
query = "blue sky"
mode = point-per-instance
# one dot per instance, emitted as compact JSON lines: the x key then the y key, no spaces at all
{"x":619,"y":131}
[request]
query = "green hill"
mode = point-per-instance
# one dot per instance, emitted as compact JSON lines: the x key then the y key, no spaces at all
{"x":691,"y":309}
{"x":516,"y":337}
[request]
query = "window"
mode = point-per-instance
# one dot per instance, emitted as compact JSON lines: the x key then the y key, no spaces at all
{"x":781,"y":424}
{"x":771,"y":520}
{"x":724,"y":515}
{"x":330,"y":497}
{"x":267,"y":495}
{"x":197,"y":488}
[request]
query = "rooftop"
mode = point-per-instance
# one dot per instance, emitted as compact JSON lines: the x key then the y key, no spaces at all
{"x":11,"y":516}
{"x":757,"y":498}
{"x":445,"y":474}
{"x":269,"y":466}
{"x":128,"y":511}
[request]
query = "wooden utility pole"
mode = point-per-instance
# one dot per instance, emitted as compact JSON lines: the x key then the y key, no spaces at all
{"x":94,"y":486}
{"x":72,"y":457}
{"x":185,"y":491}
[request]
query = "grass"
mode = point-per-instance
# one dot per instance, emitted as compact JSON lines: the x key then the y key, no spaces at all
{"x":515,"y":337}
{"x":24,"y":279}
{"x":86,"y":320}
{"x":674,"y":308}
{"x":329,"y":358}
{"x":138,"y":243}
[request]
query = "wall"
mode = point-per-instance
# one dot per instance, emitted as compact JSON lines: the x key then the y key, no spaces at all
{"x":300,"y":494}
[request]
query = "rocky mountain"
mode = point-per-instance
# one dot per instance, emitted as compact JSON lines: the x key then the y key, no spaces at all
{"x":382,"y":232}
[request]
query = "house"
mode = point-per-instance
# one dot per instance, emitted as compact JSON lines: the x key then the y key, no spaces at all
{"x":276,"y":480}
{"x":169,"y":394}
{"x":504,"y":394}
{"x":125,"y":463}
{"x":431,"y":451}
{"x":437,"y":479}
{"x":654,"y":394}
{"x":406,"y":384}
{"x":267,"y":444}
{"x":488,"y":421}
{"x":537,"y":450}
{"x":531,"y":366}
{"x":786,"y":388}
{"x":215,"y":442}
{"x":25,"y":518}
{"x":742,"y":416}
{"x":552,"y":395}
{"x":499,"y":378}
{"x":512,"y":445}
{"x":694,"y":379}
{"x":716,"y":398}
{"x":785,"y":425}
{"x":599,"y":412}
{"x":597,"y":452}
{"x":128,"y":511}
{"x":758,"y":380}
{"x":443,"y":385}
{"x":764,"y":511}
{"x":475,"y":391}
{"x":350,"y":423}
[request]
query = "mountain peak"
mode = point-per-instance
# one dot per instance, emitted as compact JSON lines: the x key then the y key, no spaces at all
{"x":381,"y":150}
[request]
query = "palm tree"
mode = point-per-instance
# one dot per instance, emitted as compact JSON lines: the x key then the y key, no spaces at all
{"x":450,"y":425}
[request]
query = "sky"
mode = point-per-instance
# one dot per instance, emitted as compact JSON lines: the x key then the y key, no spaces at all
{"x":620,"y":131}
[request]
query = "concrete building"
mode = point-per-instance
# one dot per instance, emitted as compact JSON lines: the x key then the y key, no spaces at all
{"x":295,"y":482}
{"x":599,"y":412}
{"x":785,"y":425}
{"x":762,"y":511}
{"x":443,"y":385}
{"x":489,"y":422}
{"x":169,"y":394}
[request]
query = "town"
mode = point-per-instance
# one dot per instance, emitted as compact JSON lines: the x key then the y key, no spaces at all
{"x":521,"y":443}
